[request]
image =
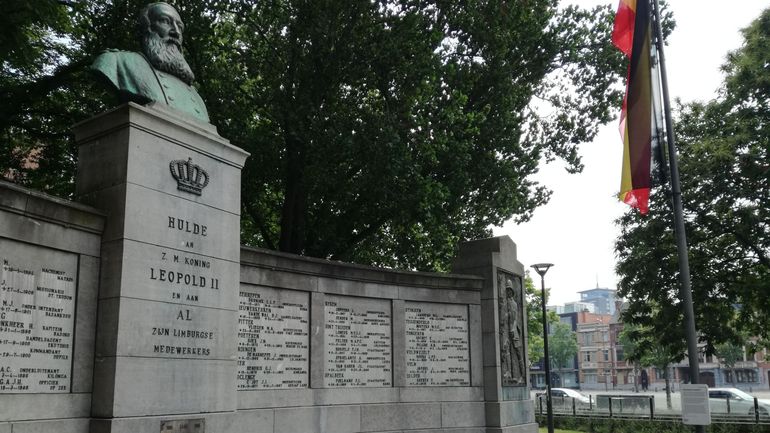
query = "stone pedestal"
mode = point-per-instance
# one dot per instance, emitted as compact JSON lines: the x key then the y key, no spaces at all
{"x":508,"y":405}
{"x":168,"y":297}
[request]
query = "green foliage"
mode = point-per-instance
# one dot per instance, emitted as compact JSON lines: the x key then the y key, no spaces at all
{"x":729,"y":354}
{"x":535,"y":344}
{"x":42,"y":91}
{"x":380,"y":132}
{"x":562,"y":345}
{"x":645,"y":348}
{"x":723,"y":147}
{"x":630,"y":338}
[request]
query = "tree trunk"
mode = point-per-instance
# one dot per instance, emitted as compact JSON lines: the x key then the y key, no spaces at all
{"x":294,"y":209}
{"x":636,"y":377}
{"x":668,"y":388}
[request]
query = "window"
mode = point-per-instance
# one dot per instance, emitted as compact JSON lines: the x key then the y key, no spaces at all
{"x":619,"y":356}
{"x":586,"y":338}
{"x":660,"y":374}
{"x":587,"y":357}
{"x":741,"y":376}
{"x":606,"y":354}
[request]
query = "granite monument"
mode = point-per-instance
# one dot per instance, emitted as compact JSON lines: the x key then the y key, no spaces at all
{"x":136,"y":309}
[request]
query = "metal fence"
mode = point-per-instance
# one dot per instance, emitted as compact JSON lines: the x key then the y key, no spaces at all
{"x":727,"y":411}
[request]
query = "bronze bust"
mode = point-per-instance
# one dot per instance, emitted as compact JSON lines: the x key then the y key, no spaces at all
{"x":160,"y":73}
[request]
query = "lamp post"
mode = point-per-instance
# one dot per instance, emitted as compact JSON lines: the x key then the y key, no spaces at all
{"x":542,"y":268}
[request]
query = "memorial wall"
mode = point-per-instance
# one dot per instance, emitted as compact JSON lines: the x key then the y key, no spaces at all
{"x":184,"y":343}
{"x":329,"y":346}
{"x":317,"y":345}
{"x":37,"y":318}
{"x":135,"y":317}
{"x":49,"y":258}
{"x":274,"y":346}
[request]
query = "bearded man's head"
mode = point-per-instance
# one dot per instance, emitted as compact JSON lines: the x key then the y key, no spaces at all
{"x":161,"y":29}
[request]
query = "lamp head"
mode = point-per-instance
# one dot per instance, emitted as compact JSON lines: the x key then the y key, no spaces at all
{"x":541,"y":268}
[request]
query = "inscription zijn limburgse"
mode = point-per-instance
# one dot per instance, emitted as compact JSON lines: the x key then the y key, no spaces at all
{"x":273,"y":341}
{"x":37,"y":304}
{"x":180,"y":341}
{"x":437,"y":350}
{"x":357,"y":336}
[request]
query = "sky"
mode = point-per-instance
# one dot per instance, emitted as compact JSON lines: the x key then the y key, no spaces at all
{"x":575,"y":231}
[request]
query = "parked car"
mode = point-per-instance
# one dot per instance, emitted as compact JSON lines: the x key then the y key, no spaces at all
{"x":735,"y":401}
{"x":563,"y":394}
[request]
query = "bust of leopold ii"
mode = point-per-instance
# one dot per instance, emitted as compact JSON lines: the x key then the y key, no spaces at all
{"x":159,"y":73}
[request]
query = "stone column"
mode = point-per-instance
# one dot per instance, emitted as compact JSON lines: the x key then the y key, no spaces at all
{"x":509,"y":408}
{"x":168,"y":297}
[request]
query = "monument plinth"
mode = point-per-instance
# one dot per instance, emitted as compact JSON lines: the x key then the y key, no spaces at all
{"x":508,"y":406}
{"x":168,"y":298}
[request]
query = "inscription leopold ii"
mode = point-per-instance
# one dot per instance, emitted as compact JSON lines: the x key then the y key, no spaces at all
{"x":188,"y":281}
{"x":37,"y":304}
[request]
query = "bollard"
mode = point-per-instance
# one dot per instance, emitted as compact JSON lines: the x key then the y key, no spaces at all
{"x":574,"y":411}
{"x":590,"y":402}
{"x":728,"y":405}
{"x":756,"y":410}
{"x":609,"y":402}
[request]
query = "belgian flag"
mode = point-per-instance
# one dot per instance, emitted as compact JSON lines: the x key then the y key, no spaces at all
{"x":631,"y":34}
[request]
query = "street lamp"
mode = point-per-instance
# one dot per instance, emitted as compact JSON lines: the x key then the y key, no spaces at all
{"x":542,"y":268}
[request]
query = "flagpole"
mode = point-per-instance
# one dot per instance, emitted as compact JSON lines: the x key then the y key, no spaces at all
{"x":681,"y":237}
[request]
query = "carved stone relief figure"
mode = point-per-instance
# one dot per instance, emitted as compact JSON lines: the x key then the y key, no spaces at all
{"x":511,"y":330}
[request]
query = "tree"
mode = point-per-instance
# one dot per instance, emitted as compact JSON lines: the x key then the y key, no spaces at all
{"x":562,"y":347}
{"x":42,"y":93}
{"x":661,"y":357}
{"x":535,"y":344}
{"x":729,"y":354}
{"x":644,"y":349}
{"x":421,"y":130}
{"x":380,"y":132}
{"x":723,"y":147}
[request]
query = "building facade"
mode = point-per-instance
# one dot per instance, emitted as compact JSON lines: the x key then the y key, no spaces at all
{"x":602,"y":299}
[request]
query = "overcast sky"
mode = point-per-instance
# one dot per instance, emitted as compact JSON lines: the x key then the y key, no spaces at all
{"x":575,"y":230}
